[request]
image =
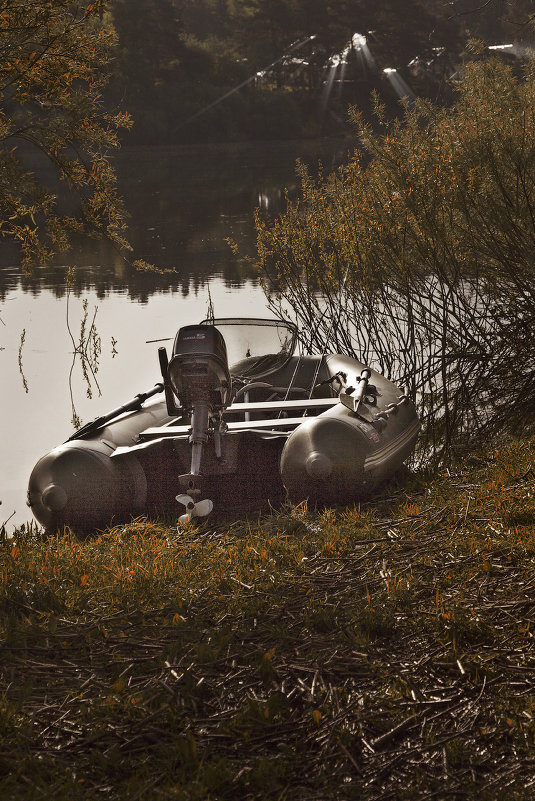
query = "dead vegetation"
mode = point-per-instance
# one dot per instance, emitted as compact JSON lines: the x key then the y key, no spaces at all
{"x":381,"y":652}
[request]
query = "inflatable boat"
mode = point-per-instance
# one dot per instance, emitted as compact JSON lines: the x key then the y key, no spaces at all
{"x":238,"y":419}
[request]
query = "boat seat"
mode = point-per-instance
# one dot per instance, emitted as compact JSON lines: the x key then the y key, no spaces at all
{"x":301,"y":373}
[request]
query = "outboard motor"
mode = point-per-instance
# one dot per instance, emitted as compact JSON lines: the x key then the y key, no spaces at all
{"x":199,"y":377}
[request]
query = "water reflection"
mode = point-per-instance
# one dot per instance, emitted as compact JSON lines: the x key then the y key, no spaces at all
{"x":86,"y":352}
{"x":21,"y":369}
{"x":184,"y":203}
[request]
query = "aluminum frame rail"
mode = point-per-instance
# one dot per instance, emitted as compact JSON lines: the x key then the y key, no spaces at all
{"x":169,"y":431}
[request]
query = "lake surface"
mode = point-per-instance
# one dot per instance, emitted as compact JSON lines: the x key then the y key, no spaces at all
{"x":184,"y":202}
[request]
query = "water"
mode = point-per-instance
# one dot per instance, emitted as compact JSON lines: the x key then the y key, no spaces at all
{"x":184,"y":202}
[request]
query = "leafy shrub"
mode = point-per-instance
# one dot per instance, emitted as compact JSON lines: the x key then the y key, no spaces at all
{"x":417,"y":256}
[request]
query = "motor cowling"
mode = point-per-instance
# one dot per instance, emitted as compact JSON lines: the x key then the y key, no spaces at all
{"x":198,"y":370}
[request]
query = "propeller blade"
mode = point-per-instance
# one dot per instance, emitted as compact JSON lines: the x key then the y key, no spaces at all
{"x":185,"y":500}
{"x":203,"y":508}
{"x":199,"y":509}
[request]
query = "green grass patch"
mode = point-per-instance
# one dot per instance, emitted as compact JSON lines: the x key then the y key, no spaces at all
{"x":383,"y":651}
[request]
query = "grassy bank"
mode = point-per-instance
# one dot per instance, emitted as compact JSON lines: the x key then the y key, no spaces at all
{"x":381,"y":652}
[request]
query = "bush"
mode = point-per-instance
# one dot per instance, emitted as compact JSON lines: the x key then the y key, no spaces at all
{"x":417,"y":257}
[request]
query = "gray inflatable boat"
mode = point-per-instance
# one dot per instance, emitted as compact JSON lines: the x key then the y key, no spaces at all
{"x":243,"y":420}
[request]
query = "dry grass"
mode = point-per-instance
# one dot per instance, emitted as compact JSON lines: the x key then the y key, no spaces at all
{"x":381,"y":652}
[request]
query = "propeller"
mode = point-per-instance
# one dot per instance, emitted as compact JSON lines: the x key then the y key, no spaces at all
{"x":199,"y":509}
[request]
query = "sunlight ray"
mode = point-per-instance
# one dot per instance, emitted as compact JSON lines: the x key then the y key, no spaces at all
{"x":400,"y":87}
{"x":251,"y":78}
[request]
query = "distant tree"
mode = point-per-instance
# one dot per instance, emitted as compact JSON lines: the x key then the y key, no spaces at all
{"x":150,"y":65}
{"x":481,"y":18}
{"x":494,"y":20}
{"x":204,"y":18}
{"x":265,"y":28}
{"x":519,"y":19}
{"x":150,"y":39}
{"x":54,"y":62}
{"x":410,"y":28}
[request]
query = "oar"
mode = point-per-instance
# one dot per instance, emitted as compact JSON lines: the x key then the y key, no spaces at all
{"x":132,"y":406}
